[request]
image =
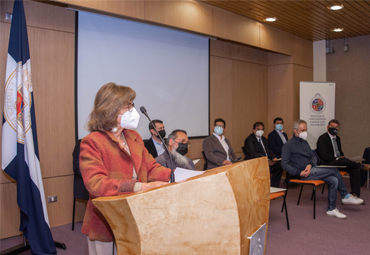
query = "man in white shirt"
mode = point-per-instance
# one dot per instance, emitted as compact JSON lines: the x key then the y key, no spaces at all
{"x":154,"y":144}
{"x":217,"y":148}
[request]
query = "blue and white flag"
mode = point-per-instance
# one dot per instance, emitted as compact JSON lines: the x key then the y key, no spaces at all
{"x":20,"y":155}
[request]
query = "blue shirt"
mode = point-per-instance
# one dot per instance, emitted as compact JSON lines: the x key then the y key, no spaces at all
{"x":296,"y":155}
{"x":158,"y":146}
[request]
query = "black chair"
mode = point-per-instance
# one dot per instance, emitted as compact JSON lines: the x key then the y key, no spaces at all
{"x":205,"y":161}
{"x":79,"y":189}
{"x":245,"y":154}
{"x":365,"y":174}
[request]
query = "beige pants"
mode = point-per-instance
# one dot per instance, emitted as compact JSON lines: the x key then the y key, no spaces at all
{"x":101,"y":248}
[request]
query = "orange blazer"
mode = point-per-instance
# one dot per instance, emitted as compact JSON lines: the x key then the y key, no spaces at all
{"x":105,"y":167}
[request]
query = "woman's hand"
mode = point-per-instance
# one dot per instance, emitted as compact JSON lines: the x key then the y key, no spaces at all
{"x":151,"y":185}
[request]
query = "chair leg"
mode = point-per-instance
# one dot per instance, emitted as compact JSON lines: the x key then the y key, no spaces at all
{"x":73,"y":215}
{"x":286,"y":212}
{"x":312,"y":195}
{"x":323,"y":187}
{"x":282,"y":208}
{"x":314,"y":202}
{"x":300,"y":193}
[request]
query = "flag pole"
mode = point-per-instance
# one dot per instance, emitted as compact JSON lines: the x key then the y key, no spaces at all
{"x":20,"y":155}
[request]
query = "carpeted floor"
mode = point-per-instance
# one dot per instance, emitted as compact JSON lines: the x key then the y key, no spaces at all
{"x":324,"y":235}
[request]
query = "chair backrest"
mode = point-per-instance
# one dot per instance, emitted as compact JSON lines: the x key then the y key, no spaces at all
{"x":245,"y":154}
{"x":366,"y":156}
{"x":317,"y":157}
{"x":205,"y":161}
{"x":79,"y":189}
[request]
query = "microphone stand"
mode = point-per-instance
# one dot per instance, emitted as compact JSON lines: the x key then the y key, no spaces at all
{"x":172,"y":177}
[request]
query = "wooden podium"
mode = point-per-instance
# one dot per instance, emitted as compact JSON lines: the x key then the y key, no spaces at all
{"x":213,"y":213}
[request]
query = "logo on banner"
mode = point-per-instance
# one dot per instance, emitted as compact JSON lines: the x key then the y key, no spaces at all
{"x":18,"y":101}
{"x":317,"y":104}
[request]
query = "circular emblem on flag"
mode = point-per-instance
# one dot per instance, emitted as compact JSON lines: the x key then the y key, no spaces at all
{"x":317,"y":104}
{"x":18,"y":101}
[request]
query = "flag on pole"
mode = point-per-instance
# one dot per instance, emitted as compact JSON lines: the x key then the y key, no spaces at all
{"x":20,"y":155}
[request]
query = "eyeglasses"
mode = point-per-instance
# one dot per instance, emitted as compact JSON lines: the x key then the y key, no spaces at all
{"x":131,"y":106}
{"x":188,"y":143}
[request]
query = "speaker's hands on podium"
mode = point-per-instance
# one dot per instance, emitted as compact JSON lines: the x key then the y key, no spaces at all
{"x":151,"y":185}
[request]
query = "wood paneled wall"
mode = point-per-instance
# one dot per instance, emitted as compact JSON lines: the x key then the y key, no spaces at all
{"x":247,"y":83}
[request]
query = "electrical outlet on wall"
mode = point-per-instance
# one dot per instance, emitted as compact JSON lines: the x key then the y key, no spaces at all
{"x":52,"y":199}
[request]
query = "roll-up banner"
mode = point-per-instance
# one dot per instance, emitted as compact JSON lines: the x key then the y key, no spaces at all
{"x":317,"y":107}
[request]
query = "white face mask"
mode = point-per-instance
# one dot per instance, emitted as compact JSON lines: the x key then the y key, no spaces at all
{"x":303,"y":135}
{"x":130,"y":119}
{"x":260,"y":133}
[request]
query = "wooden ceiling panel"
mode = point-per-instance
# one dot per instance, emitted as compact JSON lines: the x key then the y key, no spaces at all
{"x":310,"y":19}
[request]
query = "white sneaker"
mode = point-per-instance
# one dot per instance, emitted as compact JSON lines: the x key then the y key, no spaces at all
{"x":336,"y":213}
{"x":352,"y":200}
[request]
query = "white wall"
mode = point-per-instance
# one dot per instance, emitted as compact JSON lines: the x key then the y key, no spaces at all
{"x":319,"y":61}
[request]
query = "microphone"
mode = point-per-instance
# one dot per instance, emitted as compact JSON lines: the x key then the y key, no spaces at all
{"x":143,"y":110}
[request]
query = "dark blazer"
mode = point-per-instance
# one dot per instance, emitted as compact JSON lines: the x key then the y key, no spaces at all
{"x":253,"y":149}
{"x":79,"y":189}
{"x":215,"y":153}
{"x":164,"y":160}
{"x":325,"y":149}
{"x":275,"y":142}
{"x":149,"y":145}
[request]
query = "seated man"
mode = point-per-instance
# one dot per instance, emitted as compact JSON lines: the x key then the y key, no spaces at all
{"x":255,"y":146}
{"x":217,"y":148}
{"x":154,"y":144}
{"x":177,"y":143}
{"x":329,"y":150}
{"x":299,"y":160}
{"x":277,"y":138}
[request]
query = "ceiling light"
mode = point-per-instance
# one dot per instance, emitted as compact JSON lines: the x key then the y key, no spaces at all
{"x":337,"y":29}
{"x":336,"y":7}
{"x":270,"y":19}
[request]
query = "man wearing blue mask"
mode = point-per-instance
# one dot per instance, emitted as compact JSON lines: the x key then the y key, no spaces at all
{"x":277,"y":138}
{"x":217,"y":148}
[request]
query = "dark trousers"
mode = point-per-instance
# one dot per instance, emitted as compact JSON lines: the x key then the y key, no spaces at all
{"x":354,"y":171}
{"x":275,"y":172}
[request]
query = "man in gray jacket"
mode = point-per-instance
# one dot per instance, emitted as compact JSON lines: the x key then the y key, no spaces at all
{"x":217,"y":148}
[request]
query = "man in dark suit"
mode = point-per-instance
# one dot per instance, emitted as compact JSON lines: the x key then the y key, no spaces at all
{"x":217,"y":148}
{"x":154,"y":144}
{"x":255,"y":146}
{"x":277,"y":138}
{"x":329,"y":150}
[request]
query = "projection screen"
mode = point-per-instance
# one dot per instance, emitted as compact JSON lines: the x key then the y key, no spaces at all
{"x":168,"y":69}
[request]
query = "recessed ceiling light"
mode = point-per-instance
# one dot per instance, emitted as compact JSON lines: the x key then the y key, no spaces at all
{"x":270,"y":19}
{"x":336,"y":7}
{"x":337,"y":29}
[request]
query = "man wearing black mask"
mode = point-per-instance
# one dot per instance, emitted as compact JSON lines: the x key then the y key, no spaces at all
{"x":177,"y":144}
{"x":154,"y":144}
{"x":330,"y":152}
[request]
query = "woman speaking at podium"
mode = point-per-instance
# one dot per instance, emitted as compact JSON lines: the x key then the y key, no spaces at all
{"x":113,"y":160}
